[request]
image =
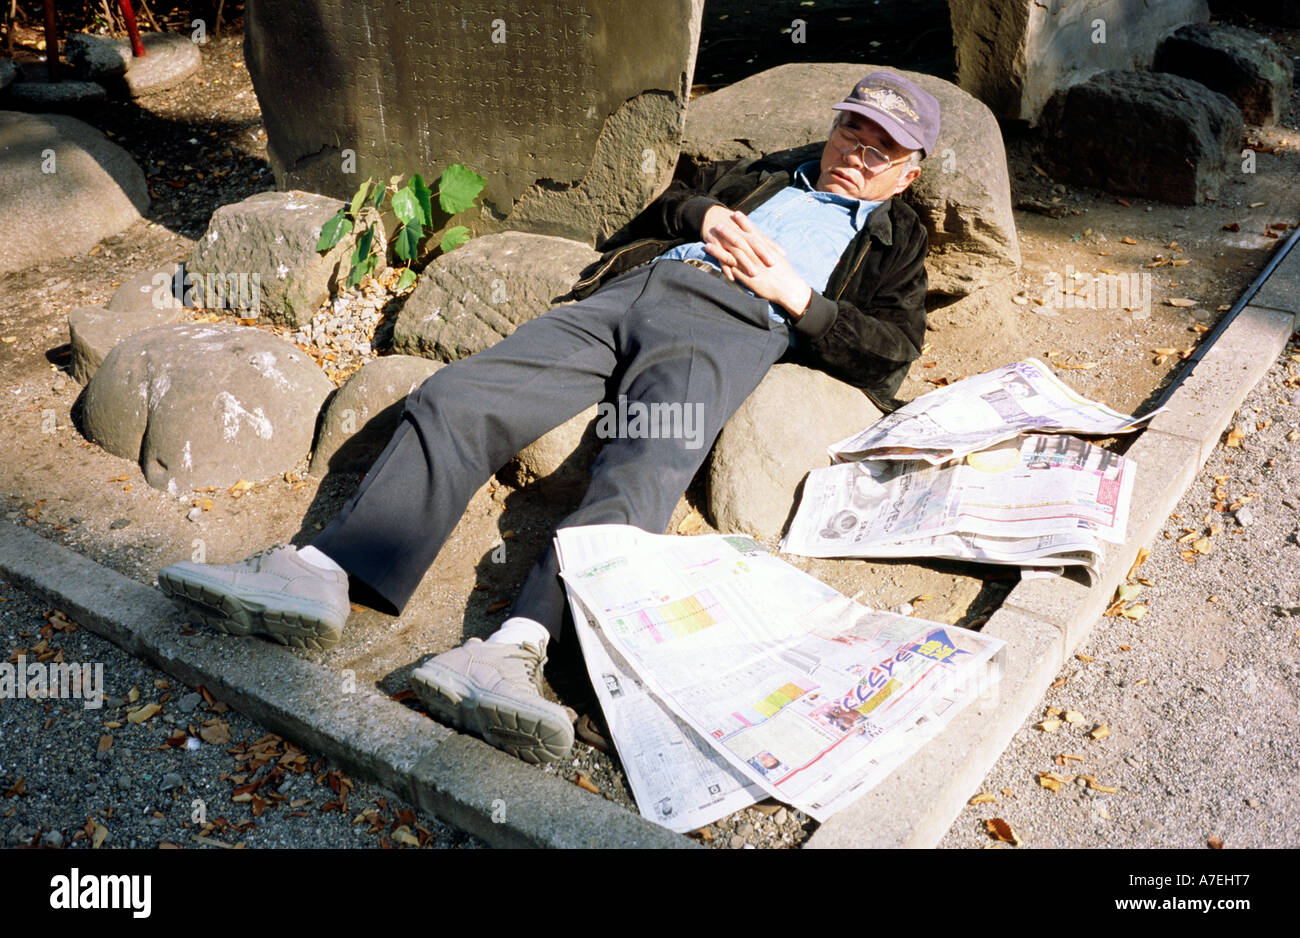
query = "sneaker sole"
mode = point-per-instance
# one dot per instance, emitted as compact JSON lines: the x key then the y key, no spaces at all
{"x":220,"y":609}
{"x":534,"y":737}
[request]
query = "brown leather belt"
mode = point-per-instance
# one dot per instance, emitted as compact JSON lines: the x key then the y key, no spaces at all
{"x":710,"y":269}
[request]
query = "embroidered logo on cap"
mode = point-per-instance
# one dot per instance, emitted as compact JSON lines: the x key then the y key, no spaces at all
{"x":887,"y":99}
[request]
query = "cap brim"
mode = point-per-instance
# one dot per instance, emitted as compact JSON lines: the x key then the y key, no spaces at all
{"x":890,"y":124}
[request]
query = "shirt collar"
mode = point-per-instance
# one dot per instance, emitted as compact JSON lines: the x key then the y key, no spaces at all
{"x":859,"y":209}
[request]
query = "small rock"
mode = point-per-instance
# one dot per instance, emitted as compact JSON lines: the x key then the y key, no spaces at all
{"x":1252,"y":803}
{"x":194,"y":514}
{"x":781,"y":816}
{"x":124,"y":781}
{"x":118,"y":524}
{"x":1131,"y":761}
{"x":745,"y":830}
{"x":737,"y":842}
{"x":1244,"y":517}
{"x":171,"y":780}
{"x":53,"y":839}
{"x":190,"y":702}
{"x":20,"y":835}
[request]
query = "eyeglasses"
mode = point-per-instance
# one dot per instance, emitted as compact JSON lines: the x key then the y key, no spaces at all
{"x":845,"y":144}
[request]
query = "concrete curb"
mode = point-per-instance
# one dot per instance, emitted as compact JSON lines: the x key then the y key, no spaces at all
{"x":1044,"y":621}
{"x":461,"y":780}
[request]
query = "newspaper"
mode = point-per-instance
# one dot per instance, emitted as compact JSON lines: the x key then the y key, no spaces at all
{"x":813,"y":697}
{"x":677,"y":779}
{"x":979,"y":411}
{"x":1042,"y":501}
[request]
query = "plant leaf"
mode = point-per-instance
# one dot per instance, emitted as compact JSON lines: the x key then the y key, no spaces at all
{"x":407,"y":245}
{"x":333,"y":231}
{"x":424,"y":197}
{"x":405,"y":280}
{"x":358,"y":197}
{"x":458,"y":187}
{"x":454,"y":238}
{"x":406,"y":206}
{"x":362,"y":262}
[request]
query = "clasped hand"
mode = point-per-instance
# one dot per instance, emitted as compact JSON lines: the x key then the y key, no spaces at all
{"x":752,"y":259}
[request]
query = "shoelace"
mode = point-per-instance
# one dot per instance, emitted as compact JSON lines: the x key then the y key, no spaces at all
{"x":254,"y":559}
{"x":533,"y":662}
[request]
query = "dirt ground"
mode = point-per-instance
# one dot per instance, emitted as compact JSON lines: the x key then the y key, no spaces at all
{"x":202,"y":145}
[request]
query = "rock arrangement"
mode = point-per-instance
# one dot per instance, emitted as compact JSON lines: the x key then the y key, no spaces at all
{"x":104,"y":68}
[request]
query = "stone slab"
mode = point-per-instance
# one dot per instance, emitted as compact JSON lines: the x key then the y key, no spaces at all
{"x":363,"y":731}
{"x":1205,"y":403}
{"x":1281,"y":290}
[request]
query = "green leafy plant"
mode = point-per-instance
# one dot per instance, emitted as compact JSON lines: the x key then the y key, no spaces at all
{"x":413,"y":205}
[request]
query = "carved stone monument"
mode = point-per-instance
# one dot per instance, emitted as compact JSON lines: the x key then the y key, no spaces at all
{"x":572,"y":110}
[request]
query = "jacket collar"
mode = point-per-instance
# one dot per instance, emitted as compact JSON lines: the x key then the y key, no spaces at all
{"x":879,"y":224}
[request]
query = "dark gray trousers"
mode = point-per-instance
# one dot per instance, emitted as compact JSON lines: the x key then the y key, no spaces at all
{"x":664,"y":333}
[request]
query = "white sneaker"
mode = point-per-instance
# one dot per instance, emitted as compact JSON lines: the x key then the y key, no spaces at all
{"x":272,"y":592}
{"x":494,"y":690}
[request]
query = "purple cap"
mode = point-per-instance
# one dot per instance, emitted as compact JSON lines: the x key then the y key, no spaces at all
{"x":908,"y":114}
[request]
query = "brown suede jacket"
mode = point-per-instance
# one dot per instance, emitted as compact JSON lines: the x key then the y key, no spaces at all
{"x":869,"y":324}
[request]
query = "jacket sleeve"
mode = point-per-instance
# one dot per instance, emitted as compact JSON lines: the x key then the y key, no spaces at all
{"x":679,"y":211}
{"x":871,"y":342}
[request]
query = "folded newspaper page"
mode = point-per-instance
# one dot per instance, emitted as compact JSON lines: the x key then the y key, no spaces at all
{"x":677,"y":778}
{"x":1040,"y":501}
{"x":813,"y":697}
{"x":976,"y":412}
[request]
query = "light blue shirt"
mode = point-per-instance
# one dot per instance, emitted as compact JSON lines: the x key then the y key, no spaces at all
{"x":813,"y":228}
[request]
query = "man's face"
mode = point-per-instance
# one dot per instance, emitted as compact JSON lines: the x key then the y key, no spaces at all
{"x":848,"y":175}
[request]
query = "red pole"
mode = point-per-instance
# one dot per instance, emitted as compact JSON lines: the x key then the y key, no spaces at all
{"x":51,"y":42}
{"x":137,"y":47}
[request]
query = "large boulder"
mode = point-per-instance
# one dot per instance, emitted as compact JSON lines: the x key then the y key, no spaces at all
{"x":8,"y":72}
{"x":64,"y":187}
{"x":571,"y":110}
{"x":777,"y":436}
{"x":95,"y":331}
{"x":1277,"y":12}
{"x":471,"y":298}
{"x":1015,"y":54}
{"x":1150,"y":134}
{"x":1247,"y":67}
{"x":963,"y":194}
{"x":201,"y":404}
{"x":264,"y":248}
{"x":362,"y":415}
{"x":561,"y":458}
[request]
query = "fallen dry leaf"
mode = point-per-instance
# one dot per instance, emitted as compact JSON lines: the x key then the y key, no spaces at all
{"x":1127,"y":240}
{"x":1134,"y":612}
{"x":141,"y":714}
{"x":97,"y":839}
{"x":1100,"y":732}
{"x":1050,"y":726}
{"x":584,"y":782}
{"x":214,"y":732}
{"x":1000,"y":830}
{"x":1073,"y":716}
{"x":403,"y":835}
{"x":1082,"y":657}
{"x":982,"y":798}
{"x":1234,"y":439}
{"x":1214,"y":843}
{"x":1180,"y":301}
{"x":497,"y":605}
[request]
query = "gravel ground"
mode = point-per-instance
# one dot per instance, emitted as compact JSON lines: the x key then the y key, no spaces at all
{"x":71,"y":775}
{"x":1194,"y":675}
